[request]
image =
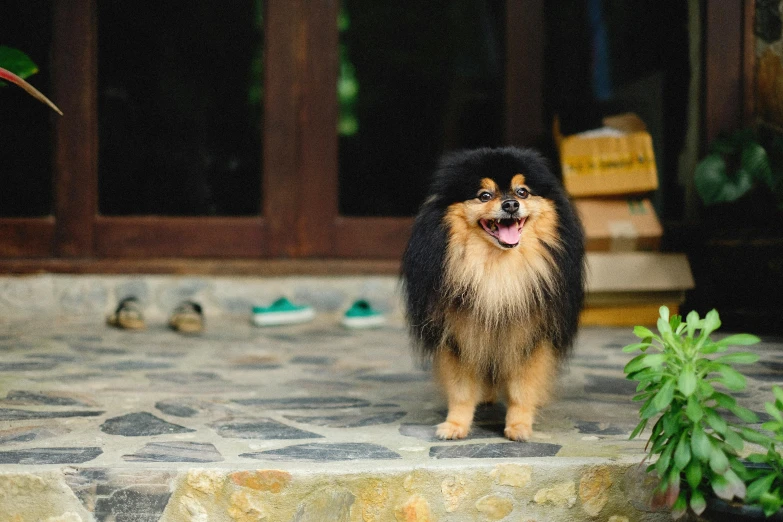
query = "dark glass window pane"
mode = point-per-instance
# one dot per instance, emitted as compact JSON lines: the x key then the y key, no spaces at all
{"x":180,"y":107}
{"x":26,"y":124}
{"x":416,"y":79}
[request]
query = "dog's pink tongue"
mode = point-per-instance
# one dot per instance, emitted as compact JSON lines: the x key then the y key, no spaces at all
{"x":509,"y":234}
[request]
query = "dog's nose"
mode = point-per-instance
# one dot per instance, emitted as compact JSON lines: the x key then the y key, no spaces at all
{"x":510,"y":206}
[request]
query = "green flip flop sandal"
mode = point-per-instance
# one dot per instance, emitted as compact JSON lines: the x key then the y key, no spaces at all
{"x":362,"y":315}
{"x":282,"y":312}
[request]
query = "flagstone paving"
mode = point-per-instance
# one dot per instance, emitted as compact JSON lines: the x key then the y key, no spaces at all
{"x":306,"y":422}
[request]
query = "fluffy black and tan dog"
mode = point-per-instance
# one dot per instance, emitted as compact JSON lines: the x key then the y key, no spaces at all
{"x":494,"y":282}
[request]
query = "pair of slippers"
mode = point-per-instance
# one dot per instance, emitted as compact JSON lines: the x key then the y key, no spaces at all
{"x":187,"y":317}
{"x":360,"y":315}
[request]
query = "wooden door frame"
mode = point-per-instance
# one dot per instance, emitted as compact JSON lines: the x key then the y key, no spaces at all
{"x":300,"y":144}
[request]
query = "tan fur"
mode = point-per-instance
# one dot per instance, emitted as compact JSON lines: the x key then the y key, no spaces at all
{"x":497,"y":326}
{"x":528,"y":386}
{"x":501,"y":282}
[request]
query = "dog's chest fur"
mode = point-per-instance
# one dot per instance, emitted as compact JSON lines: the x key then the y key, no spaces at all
{"x":494,"y":314}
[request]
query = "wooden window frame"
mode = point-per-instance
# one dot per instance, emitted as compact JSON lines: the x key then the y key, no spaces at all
{"x":300,"y":146}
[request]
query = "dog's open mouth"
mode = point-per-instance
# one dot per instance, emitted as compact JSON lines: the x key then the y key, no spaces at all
{"x":505,"y":231}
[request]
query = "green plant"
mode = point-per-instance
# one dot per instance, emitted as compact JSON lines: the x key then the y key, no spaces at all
{"x":14,"y":67}
{"x":697,"y":443}
{"x":765,"y":484}
{"x":738,"y":162}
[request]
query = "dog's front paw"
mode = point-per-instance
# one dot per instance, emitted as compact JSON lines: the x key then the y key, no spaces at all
{"x":518,"y":432}
{"x":452,"y":430}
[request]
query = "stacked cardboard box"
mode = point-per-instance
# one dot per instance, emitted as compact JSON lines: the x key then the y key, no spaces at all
{"x":610,"y":173}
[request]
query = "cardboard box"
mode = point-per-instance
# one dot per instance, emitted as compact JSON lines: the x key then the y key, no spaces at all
{"x":619,"y":225}
{"x":617,"y":159}
{"x":626,"y":289}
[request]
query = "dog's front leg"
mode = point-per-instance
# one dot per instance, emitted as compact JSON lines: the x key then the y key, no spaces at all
{"x":463,"y":391}
{"x":528,"y":387}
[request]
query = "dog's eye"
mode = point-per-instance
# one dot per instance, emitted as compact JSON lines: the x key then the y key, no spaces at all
{"x":485,"y":196}
{"x":523,"y":193}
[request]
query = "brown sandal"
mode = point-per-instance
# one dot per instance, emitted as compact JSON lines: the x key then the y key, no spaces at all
{"x":188,"y":317}
{"x":127,"y":315}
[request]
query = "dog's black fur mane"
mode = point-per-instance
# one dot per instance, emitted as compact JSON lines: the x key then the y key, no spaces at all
{"x":457,"y":179}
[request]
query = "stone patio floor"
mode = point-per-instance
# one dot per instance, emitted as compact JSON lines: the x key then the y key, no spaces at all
{"x":301,"y":423}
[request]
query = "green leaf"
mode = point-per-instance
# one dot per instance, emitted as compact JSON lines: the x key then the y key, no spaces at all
{"x":760,"y":486}
{"x":700,"y":444}
{"x":754,"y":436}
{"x":756,"y":162}
{"x":724,"y":401}
{"x":664,"y":460}
{"x":710,"y":177}
{"x":722,"y":487}
{"x":711,"y":322}
{"x":734,"y":441}
{"x":739,"y":340}
{"x":643,"y":332}
{"x":778,"y":391}
{"x":706,"y":388}
{"x":663,"y":326}
{"x":686,"y":383}
{"x":645,"y":360}
{"x":663,"y":311}
{"x":692,"y":322}
{"x":737,"y":358}
{"x":680,"y":506}
{"x":697,"y":503}
{"x":665,"y":396}
{"x":715,"y":421}
{"x":636,"y":346}
{"x":732,"y":379}
{"x":718,"y":461}
{"x":638,"y":429}
{"x":682,"y":455}
{"x":773,"y":411}
{"x":744,"y":414}
{"x":693,"y":474}
{"x":17,"y":62}
{"x":693,"y":410}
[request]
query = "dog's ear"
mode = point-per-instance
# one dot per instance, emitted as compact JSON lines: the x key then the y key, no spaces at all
{"x":422,"y":274}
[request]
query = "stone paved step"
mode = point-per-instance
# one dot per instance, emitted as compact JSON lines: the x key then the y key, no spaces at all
{"x":299,"y":423}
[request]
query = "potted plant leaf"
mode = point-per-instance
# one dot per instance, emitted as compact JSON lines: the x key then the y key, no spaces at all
{"x":686,"y":390}
{"x":15,"y":66}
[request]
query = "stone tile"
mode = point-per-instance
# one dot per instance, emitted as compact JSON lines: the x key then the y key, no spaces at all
{"x":260,"y":428}
{"x":501,"y":450}
{"x":49,"y":455}
{"x":78,"y":296}
{"x":99,"y":350}
{"x":26,"y":398}
{"x":176,"y":408}
{"x":186,"y":377}
{"x":427,"y":431}
{"x":349,"y":421}
{"x":601,"y":428}
{"x":610,"y":385}
{"x":140,"y":424}
{"x":175,"y":451}
{"x":28,"y":366}
{"x":305,"y":403}
{"x":130,"y":366}
{"x":122,"y":496}
{"x":30,"y":433}
{"x":316,"y":360}
{"x":12,"y":414}
{"x":316,"y":452}
{"x":332,"y":505}
{"x":395,"y":377}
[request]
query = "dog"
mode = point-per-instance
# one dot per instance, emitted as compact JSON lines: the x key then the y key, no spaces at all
{"x":493,"y":282}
